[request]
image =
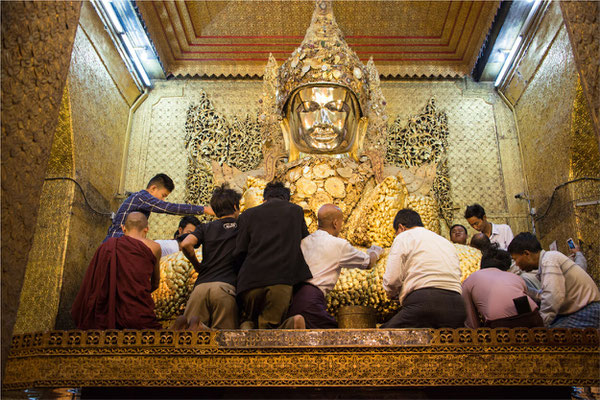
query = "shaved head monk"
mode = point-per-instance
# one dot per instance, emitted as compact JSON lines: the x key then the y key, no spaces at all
{"x":326,"y":254}
{"x":115,"y":293}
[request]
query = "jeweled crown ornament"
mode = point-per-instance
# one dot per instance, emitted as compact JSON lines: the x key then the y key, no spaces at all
{"x":325,"y":99}
{"x":323,"y":57}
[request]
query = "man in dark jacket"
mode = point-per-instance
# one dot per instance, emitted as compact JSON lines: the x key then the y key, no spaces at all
{"x":268,"y":242}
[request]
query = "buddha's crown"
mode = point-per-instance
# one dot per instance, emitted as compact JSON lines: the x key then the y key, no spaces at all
{"x":324,"y":57}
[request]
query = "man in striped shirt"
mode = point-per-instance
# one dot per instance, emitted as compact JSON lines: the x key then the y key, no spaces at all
{"x":151,"y":200}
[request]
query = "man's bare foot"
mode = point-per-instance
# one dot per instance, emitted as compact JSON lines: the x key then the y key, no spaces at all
{"x":293,"y":322}
{"x":247,"y":325}
{"x":299,"y":322}
{"x":179,"y":324}
{"x":197,"y":325}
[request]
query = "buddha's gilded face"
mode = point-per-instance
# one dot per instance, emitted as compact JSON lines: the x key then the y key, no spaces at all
{"x":323,"y":119}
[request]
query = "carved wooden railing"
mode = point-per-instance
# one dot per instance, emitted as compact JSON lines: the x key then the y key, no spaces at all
{"x":369,"y":357}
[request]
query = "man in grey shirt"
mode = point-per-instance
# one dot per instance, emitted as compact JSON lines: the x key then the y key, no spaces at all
{"x":569,"y":298}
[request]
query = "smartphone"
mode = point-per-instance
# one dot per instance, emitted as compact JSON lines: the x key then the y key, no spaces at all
{"x":570,"y":243}
{"x":522,"y":305}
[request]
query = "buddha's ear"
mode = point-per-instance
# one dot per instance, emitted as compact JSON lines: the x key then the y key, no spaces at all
{"x":290,"y":146}
{"x":361,"y":132}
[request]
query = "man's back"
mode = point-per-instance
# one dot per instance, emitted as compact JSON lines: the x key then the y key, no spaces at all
{"x":115,"y":292}
{"x":269,"y":237}
{"x":491,"y":291}
{"x":420,"y":258}
{"x":326,"y":254}
{"x":218,"y":245}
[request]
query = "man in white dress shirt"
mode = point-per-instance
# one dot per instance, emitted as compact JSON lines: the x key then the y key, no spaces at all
{"x":326,"y":254}
{"x":423,"y":272}
{"x":498,"y":233}
{"x":187,"y":225}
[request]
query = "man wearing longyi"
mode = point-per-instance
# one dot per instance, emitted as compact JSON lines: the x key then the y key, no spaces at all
{"x":116,"y":290}
{"x":326,"y":254}
{"x":268,"y":248}
{"x":423,"y":273}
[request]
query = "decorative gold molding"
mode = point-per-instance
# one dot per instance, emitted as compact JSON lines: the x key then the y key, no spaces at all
{"x":399,"y":357}
{"x":234,"y":38}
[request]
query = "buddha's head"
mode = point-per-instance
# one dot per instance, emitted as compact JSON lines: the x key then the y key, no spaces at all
{"x":323,"y":119}
{"x":322,"y":91}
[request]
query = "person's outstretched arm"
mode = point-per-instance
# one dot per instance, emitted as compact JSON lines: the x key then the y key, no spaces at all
{"x":147,"y":202}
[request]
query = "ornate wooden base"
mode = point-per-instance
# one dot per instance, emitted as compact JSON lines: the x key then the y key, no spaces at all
{"x":311,"y":358}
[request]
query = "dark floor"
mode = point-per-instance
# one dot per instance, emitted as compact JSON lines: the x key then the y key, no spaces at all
{"x":453,"y":392}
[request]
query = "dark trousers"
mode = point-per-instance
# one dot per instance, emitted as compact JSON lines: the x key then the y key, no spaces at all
{"x":430,"y":308}
{"x":265,"y":307}
{"x":528,"y":320}
{"x":309,"y":302}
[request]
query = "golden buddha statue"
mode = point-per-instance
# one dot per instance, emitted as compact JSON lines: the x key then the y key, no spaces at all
{"x":323,"y":125}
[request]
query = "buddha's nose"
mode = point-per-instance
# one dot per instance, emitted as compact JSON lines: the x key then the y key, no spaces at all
{"x":323,"y":117}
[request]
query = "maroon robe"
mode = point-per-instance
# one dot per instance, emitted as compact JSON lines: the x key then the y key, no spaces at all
{"x":115,"y":293}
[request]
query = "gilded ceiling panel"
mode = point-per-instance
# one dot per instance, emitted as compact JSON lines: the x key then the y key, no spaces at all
{"x":405,"y":38}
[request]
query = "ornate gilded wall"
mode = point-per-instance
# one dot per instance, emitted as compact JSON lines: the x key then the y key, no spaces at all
{"x":37,"y":38}
{"x":482,"y":135}
{"x":88,"y":147}
{"x":582,"y":19}
{"x":157,"y":137}
{"x":552,"y":119}
{"x":100,"y":101}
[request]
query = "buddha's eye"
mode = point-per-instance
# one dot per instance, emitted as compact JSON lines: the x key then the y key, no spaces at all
{"x":338,"y":106}
{"x":310,"y":106}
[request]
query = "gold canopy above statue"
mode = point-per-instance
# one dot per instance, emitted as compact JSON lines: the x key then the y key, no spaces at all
{"x":425,"y":38}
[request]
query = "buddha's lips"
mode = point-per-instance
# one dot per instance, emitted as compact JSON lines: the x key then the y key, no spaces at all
{"x":323,"y":135}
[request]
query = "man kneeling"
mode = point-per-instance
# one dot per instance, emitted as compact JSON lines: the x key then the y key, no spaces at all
{"x":326,"y":255}
{"x":569,"y":298}
{"x":212,"y":301}
{"x":115,"y":293}
{"x":423,"y":271}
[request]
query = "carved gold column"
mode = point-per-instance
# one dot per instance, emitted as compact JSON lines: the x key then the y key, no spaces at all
{"x":44,"y":272}
{"x":37,"y":39}
{"x":582,"y":19}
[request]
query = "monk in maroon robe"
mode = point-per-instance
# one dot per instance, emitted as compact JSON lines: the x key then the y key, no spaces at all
{"x":116,"y":290}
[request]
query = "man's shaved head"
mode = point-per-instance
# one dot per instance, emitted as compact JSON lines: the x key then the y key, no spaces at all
{"x":136,"y":221}
{"x":327,"y":214}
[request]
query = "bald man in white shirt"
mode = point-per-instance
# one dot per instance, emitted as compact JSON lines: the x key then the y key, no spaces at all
{"x":326,"y":254}
{"x":423,"y":273}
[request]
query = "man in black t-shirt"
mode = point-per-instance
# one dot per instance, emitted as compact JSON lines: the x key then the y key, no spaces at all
{"x":212,"y":301}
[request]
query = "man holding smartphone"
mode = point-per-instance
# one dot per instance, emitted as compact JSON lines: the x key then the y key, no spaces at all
{"x":569,"y":297}
{"x":576,"y":254}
